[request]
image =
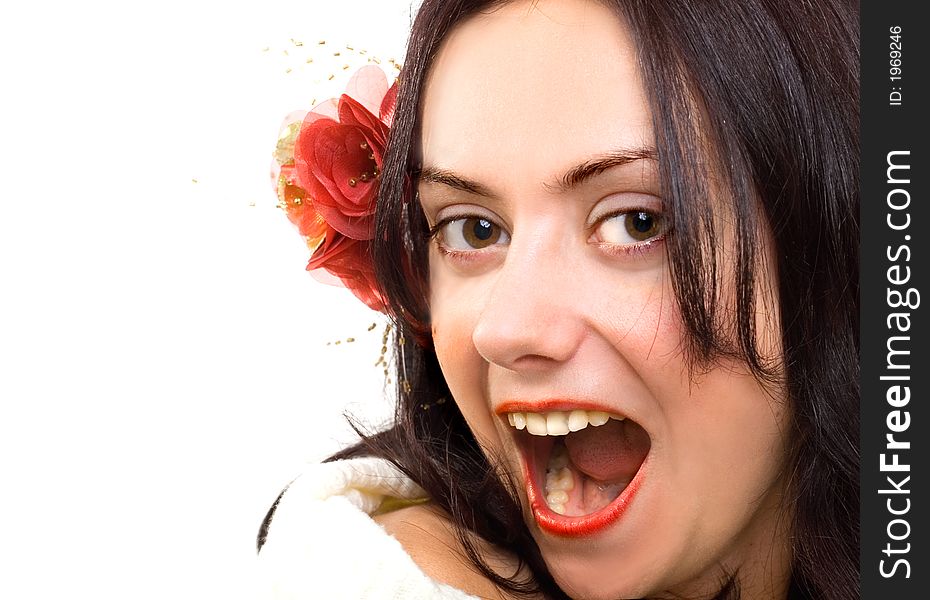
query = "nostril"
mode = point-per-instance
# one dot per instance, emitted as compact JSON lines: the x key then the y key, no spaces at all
{"x":533,"y":361}
{"x":516,"y":342}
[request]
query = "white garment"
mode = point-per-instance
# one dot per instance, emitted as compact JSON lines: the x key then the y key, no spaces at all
{"x":322,"y":542}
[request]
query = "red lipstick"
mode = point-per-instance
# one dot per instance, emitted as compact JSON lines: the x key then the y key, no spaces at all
{"x":549,"y":405}
{"x":578,"y":526}
{"x":535,"y":454}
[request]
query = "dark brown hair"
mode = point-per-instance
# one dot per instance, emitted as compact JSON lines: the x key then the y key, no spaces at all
{"x":774,"y":86}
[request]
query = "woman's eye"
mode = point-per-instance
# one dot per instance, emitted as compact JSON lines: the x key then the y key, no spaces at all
{"x":630,"y":227}
{"x":471,"y":233}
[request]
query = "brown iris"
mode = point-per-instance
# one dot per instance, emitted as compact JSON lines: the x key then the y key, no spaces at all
{"x":642,"y":225}
{"x":480,"y":233}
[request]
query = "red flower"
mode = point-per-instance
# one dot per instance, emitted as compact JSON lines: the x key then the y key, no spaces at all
{"x":328,"y":180}
{"x":300,"y":209}
{"x":350,"y":261}
{"x":338,"y":161}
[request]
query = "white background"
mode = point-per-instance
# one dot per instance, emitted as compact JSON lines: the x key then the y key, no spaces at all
{"x":166,"y":364}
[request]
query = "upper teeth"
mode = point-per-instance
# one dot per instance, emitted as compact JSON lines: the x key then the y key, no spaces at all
{"x":558,"y":422}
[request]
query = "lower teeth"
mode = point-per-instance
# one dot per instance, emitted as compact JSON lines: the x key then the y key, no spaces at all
{"x":559,"y":480}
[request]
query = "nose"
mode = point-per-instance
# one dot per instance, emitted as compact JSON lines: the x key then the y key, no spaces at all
{"x":533,"y":315}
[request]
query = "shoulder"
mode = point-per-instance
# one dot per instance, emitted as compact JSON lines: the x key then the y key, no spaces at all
{"x":430,"y":539}
{"x":325,"y":533}
{"x":336,"y":551}
{"x":427,"y":534}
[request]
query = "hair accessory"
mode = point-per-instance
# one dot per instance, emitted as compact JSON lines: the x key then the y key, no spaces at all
{"x":328,"y":163}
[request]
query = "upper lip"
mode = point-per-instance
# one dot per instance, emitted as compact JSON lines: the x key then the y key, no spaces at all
{"x":553,"y":404}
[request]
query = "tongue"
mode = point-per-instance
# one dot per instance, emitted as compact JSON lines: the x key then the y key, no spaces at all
{"x":610,"y":452}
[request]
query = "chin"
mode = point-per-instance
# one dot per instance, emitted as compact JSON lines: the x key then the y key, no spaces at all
{"x":582,"y":581}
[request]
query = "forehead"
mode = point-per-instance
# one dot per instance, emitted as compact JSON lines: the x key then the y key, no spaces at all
{"x":535,"y":86}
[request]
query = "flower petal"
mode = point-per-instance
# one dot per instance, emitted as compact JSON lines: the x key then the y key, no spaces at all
{"x":333,"y":163}
{"x":368,"y":86}
{"x":386,"y":112}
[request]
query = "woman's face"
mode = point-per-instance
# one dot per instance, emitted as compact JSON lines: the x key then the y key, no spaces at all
{"x":553,"y":311}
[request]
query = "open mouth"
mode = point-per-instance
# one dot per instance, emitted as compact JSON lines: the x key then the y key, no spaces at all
{"x":582,"y":467}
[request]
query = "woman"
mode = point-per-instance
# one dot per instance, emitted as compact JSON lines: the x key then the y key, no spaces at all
{"x":621,"y":237}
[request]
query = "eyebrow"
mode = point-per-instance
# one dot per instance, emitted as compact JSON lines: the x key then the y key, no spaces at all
{"x":446,"y":177}
{"x":597,"y":165}
{"x":572,"y":178}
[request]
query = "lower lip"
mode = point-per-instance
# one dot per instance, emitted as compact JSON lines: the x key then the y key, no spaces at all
{"x":577,"y":526}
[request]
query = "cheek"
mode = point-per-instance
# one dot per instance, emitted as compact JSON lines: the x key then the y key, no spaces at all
{"x":454,"y":311}
{"x":729,"y":415}
{"x":725,"y":443}
{"x":642,"y":321}
{"x":452,"y":327}
{"x":720,"y":433}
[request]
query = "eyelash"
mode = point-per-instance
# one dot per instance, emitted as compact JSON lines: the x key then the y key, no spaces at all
{"x":619,"y":250}
{"x":460,"y":256}
{"x":637,"y":249}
